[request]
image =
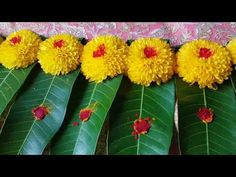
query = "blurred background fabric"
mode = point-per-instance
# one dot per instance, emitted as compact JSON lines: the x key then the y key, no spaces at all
{"x":177,"y":32}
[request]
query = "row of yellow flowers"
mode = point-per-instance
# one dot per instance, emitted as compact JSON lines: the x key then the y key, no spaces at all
{"x":145,"y":61}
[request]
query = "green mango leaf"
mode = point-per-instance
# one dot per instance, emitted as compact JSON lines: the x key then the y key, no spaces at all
{"x":22,"y":134}
{"x":138,"y":101}
{"x":10,"y":82}
{"x":82,"y":139}
{"x":101,"y":148}
{"x":196,"y":137}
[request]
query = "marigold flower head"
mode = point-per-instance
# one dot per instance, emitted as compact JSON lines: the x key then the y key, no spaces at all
{"x":60,"y":54}
{"x":19,"y":50}
{"x":231,"y":46}
{"x":150,"y":60}
{"x":1,"y":39}
{"x":104,"y":56}
{"x":204,"y":62}
{"x":205,"y":115}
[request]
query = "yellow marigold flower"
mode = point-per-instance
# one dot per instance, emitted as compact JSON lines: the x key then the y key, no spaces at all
{"x":231,"y":46}
{"x":150,"y":60}
{"x":60,"y":54}
{"x":19,"y":50}
{"x":204,"y":62}
{"x":104,"y":56}
{"x":1,"y":39}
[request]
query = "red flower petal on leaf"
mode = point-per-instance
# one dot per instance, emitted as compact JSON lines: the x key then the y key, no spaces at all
{"x":205,"y":115}
{"x":40,"y":112}
{"x":85,"y":114}
{"x":141,"y":126}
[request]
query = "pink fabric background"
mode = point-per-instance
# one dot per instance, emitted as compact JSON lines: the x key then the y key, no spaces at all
{"x":177,"y":32}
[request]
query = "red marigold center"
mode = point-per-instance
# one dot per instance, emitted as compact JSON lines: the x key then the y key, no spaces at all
{"x":205,"y":53}
{"x":99,"y":52}
{"x":141,"y":126}
{"x":85,"y":114}
{"x":150,"y":52}
{"x":205,"y":115}
{"x":39,"y":112}
{"x":58,"y":44}
{"x":15,"y":40}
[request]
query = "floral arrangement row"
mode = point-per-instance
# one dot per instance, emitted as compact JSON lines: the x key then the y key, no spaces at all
{"x":144,"y":61}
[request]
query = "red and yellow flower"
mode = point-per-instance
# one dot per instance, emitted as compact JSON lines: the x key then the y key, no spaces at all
{"x":141,"y":126}
{"x":40,"y":112}
{"x":1,"y":39}
{"x":85,"y":114}
{"x":150,"y":60}
{"x":103,"y":57}
{"x":231,"y":46}
{"x":205,"y":115}
{"x":19,"y":50}
{"x":203,"y":62}
{"x":60,"y":54}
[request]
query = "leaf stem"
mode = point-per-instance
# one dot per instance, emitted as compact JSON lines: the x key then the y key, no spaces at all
{"x":207,"y":136}
{"x":49,"y":88}
{"x":140,"y":115}
{"x":204,"y":97}
{"x":82,"y":123}
{"x":233,"y":84}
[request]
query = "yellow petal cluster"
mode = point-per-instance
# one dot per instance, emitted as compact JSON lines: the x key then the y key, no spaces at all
{"x":19,"y":50}
{"x":1,"y":39}
{"x":150,"y":60}
{"x":104,"y":56}
{"x":60,"y":54}
{"x":203,"y":62}
{"x":231,"y":46}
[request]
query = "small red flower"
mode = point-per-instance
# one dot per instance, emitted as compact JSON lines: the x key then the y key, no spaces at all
{"x":136,"y":115}
{"x":85,"y":114}
{"x":150,"y":52}
{"x":100,"y":51}
{"x":141,"y":126}
{"x":205,"y":115}
{"x":58,"y":44}
{"x":40,"y":112}
{"x":205,"y":53}
{"x":75,"y":123}
{"x":15,"y":40}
